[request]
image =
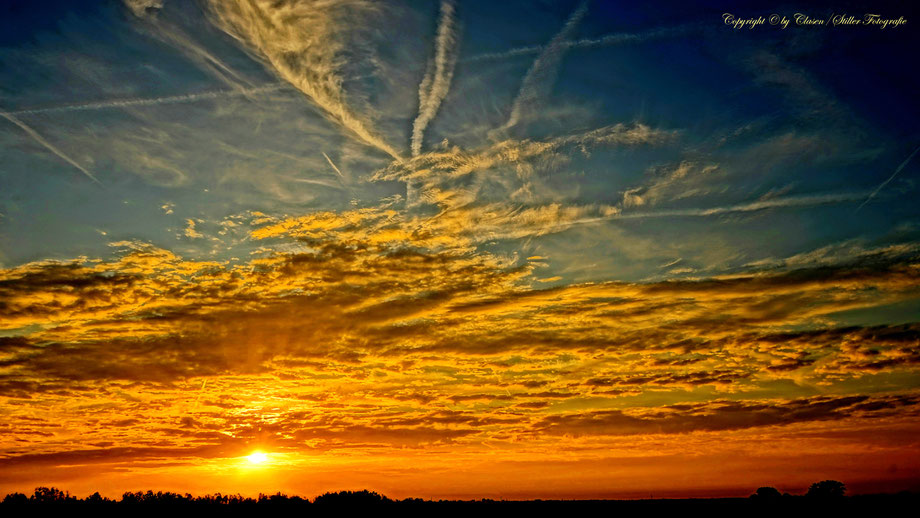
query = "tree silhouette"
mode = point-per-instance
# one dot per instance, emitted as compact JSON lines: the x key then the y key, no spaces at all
{"x":826,"y":490}
{"x":15,"y":499}
{"x":767,"y":494}
{"x":96,"y":498}
{"x":825,"y":494}
{"x":363,"y":497}
{"x":51,"y":495}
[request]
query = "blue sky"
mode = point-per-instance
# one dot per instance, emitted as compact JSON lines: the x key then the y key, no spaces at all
{"x":768,"y":113}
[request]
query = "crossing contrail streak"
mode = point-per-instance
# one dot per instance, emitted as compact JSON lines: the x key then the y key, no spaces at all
{"x":890,"y":178}
{"x":49,"y":146}
{"x":154,"y":101}
{"x":754,"y":206}
{"x":336,"y":169}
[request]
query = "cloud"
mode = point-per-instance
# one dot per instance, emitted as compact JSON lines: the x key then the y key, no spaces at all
{"x":432,"y":177}
{"x":172,"y":33}
{"x":725,"y":415}
{"x":152,"y":315}
{"x":190,"y":231}
{"x":450,"y":230}
{"x":853,"y":252}
{"x":538,"y":80}
{"x":619,"y":38}
{"x":363,"y":343}
{"x":754,"y":206}
{"x":814,"y":102}
{"x":684,"y":180}
{"x":465,"y":217}
{"x":436,"y":83}
{"x":302,"y":43}
{"x":144,"y":8}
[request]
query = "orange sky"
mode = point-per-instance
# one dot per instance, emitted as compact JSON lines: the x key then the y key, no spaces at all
{"x":444,"y":375}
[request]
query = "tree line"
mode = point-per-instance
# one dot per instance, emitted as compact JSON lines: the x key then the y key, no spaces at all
{"x":824,"y":491}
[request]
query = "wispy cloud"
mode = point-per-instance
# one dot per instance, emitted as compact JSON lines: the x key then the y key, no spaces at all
{"x":433,"y":177}
{"x":143,"y":8}
{"x":754,"y":206}
{"x":147,"y":13}
{"x":301,"y":42}
{"x":539,"y":78}
{"x":789,"y":201}
{"x":607,"y":40}
{"x":49,"y":146}
{"x":436,"y":83}
{"x":670,"y":183}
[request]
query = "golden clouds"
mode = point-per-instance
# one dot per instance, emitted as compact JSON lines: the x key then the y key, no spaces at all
{"x":463,"y":219}
{"x":302,"y":43}
{"x":389,"y":315}
{"x":455,"y":163}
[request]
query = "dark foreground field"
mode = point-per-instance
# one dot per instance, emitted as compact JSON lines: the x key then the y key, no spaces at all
{"x":762,"y":503}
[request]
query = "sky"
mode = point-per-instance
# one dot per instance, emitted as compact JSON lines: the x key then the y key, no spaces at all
{"x":458,"y":249}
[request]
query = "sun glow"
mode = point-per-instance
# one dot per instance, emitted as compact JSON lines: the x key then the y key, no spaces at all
{"x":257,"y":457}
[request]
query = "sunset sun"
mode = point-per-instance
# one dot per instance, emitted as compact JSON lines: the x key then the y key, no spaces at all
{"x":257,"y":457}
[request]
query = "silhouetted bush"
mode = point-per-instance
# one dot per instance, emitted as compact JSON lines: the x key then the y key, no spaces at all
{"x":15,"y":498}
{"x":364,"y":497}
{"x":281,"y":498}
{"x":827,"y":490}
{"x":96,"y":498}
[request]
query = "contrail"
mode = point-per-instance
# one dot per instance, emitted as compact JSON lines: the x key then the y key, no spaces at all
{"x":603,"y":41}
{"x":333,"y":166}
{"x":300,"y":42}
{"x":435,"y":85}
{"x":890,"y":178}
{"x":50,"y":147}
{"x":754,"y":206}
{"x":126,"y":103}
{"x":200,"y":391}
{"x":344,"y":182}
{"x":792,"y":201}
{"x":538,"y":79}
{"x":324,"y":183}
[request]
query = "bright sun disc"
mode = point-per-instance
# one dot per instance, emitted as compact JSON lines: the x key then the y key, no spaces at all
{"x":257,"y":458}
